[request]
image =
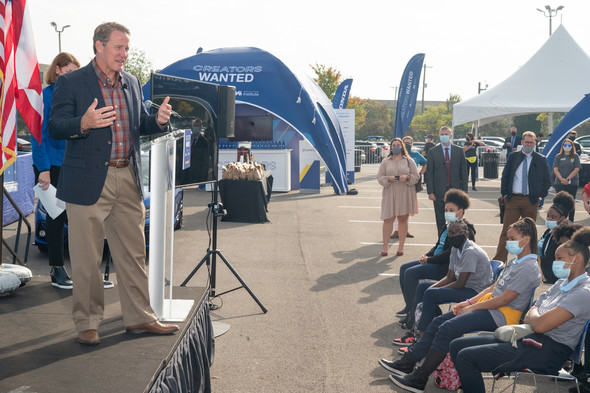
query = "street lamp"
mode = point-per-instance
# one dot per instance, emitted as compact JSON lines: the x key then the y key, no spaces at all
{"x":58,"y":31}
{"x":480,"y":89}
{"x":550,"y":13}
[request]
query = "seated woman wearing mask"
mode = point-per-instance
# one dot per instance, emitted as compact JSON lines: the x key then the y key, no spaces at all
{"x":558,"y":319}
{"x":435,"y":264}
{"x":500,"y":304}
{"x":469,"y":273}
{"x":563,"y":203}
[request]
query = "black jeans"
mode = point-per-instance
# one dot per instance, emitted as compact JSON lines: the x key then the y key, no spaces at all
{"x":570,"y":189}
{"x":444,"y":329}
{"x":473,"y":355}
{"x":473,"y":168}
{"x":54,"y":227}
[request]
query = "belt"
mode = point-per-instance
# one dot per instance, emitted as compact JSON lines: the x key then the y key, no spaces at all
{"x":121,"y":163}
{"x":520,"y":195}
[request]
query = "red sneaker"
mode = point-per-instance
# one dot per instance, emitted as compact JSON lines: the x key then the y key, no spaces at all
{"x":408,"y":339}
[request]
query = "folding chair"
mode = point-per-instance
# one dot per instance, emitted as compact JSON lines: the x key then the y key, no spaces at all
{"x":562,"y":375}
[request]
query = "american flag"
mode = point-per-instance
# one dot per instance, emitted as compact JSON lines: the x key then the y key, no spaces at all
{"x":19,"y":77}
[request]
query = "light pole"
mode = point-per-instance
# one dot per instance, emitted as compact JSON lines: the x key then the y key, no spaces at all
{"x":550,"y":13}
{"x":480,"y":89}
{"x":424,"y":84}
{"x":58,"y":31}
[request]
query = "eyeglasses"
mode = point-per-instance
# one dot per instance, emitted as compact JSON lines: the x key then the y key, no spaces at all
{"x":568,"y":145}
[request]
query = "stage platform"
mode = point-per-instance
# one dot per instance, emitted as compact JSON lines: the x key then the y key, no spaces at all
{"x":39,"y":352}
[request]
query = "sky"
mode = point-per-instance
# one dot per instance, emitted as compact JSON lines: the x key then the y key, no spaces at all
{"x":466,"y":42}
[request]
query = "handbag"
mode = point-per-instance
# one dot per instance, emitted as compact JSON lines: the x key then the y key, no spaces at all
{"x":419,"y":184}
{"x":446,"y":376}
{"x":513,"y":333}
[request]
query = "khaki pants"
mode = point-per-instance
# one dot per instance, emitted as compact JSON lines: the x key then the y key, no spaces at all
{"x":518,"y":206}
{"x":119,"y":213}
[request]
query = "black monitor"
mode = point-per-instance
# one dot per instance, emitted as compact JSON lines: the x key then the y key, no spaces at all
{"x":253,"y":128}
{"x":204,"y":108}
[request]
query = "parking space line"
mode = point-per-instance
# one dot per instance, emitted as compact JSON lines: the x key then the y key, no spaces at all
{"x":422,"y":208}
{"x":413,"y":244}
{"x":430,"y":223}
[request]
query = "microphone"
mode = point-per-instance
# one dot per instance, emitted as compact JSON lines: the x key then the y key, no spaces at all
{"x":124,"y":86}
{"x":149,"y":104}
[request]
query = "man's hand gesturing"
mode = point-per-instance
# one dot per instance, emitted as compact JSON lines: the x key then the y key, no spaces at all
{"x":97,"y":118}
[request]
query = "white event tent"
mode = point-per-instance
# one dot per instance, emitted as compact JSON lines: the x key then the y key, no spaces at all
{"x":554,"y":80}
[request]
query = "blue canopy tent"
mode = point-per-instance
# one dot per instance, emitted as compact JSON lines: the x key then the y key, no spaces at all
{"x":263,"y":81}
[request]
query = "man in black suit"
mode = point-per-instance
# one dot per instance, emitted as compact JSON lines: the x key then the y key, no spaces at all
{"x":525,"y":180}
{"x":511,"y":143}
{"x":98,"y":109}
{"x":446,"y":168}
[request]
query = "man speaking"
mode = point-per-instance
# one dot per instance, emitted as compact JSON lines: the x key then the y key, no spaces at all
{"x":98,"y":109}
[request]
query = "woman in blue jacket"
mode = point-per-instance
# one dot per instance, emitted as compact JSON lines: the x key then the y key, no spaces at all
{"x":47,"y":157}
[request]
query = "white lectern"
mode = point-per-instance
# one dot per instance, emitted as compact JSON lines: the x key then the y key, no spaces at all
{"x":162,"y":193}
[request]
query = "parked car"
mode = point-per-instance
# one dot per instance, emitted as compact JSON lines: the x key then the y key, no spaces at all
{"x":498,"y":146}
{"x":363,"y":155}
{"x":23,"y":145}
{"x":419,"y":147}
{"x":371,"y":149}
{"x":493,"y":138}
{"x":542,"y":144}
{"x":489,"y":146}
{"x":584,"y":141}
{"x":384,"y":145}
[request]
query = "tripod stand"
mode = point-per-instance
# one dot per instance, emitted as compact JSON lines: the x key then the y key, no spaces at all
{"x":210,"y":258}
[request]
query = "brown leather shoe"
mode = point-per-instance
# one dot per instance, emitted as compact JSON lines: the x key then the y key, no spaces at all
{"x":394,"y":235}
{"x":88,"y":337}
{"x":153,"y":327}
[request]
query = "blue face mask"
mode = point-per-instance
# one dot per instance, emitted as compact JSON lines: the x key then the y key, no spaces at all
{"x":445,"y":138}
{"x":559,"y":270}
{"x":450,"y":216}
{"x":396,"y":150}
{"x":513,"y":247}
{"x":550,"y":224}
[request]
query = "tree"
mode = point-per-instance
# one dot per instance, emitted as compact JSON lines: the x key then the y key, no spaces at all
{"x":138,"y":65}
{"x":327,"y":78}
{"x":527,"y":123}
{"x":378,"y":120}
{"x":360,"y":112}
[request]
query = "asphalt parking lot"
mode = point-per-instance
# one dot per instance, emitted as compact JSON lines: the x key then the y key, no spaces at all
{"x":317,"y":268}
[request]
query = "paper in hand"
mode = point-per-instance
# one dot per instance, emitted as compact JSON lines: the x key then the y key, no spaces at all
{"x":52,"y":205}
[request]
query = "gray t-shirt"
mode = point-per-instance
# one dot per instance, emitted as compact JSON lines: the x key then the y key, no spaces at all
{"x":565,"y":165}
{"x":521,"y":277}
{"x":575,"y":301}
{"x":473,"y":260}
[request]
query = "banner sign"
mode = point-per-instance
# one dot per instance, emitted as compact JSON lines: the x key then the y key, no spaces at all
{"x":186,"y":159}
{"x":341,"y":97}
{"x":408,"y":92}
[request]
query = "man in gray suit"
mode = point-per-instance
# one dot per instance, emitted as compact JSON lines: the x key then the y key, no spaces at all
{"x":446,"y":168}
{"x":98,"y":109}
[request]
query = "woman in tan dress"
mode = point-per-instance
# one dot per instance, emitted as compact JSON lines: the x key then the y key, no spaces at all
{"x":398,"y":175}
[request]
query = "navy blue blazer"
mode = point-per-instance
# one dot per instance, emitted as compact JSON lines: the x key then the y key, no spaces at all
{"x":517,"y":141}
{"x":85,"y":164}
{"x":539,"y":181}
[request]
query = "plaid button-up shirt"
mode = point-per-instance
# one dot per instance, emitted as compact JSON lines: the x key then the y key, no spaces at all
{"x":112,"y":93}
